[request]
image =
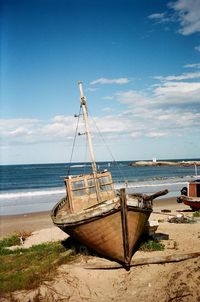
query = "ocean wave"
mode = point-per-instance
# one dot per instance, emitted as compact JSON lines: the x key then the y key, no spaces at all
{"x":12,"y":195}
{"x":142,"y":185}
{"x":79,"y":166}
{"x":151,"y":185}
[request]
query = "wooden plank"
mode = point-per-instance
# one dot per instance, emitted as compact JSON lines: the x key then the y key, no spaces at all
{"x":125,"y":227}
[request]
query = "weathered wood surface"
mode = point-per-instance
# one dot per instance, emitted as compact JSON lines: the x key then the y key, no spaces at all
{"x":149,"y":197}
{"x":127,"y":256}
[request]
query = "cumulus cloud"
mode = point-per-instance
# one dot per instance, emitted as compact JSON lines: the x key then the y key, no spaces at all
{"x":188,"y":12}
{"x":22,"y":131}
{"x":185,"y":12}
{"x":177,"y":92}
{"x":131,"y":96}
{"x":119,"y":81}
{"x":169,"y":108}
{"x":14,"y":129}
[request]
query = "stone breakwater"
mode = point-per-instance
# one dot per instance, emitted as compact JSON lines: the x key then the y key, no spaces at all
{"x":165,"y":163}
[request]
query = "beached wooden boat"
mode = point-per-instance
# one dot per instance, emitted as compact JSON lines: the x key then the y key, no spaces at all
{"x":190,"y":195}
{"x":94,"y":214}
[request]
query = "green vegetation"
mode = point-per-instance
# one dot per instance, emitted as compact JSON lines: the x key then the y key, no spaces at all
{"x":150,"y":245}
{"x":196,"y":214}
{"x":7,"y":242}
{"x":27,"y":268}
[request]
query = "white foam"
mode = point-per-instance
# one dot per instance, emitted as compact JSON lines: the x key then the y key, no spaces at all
{"x":144,"y":185}
{"x":31,"y":193}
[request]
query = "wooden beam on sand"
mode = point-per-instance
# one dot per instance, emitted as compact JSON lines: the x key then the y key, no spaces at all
{"x":149,"y":260}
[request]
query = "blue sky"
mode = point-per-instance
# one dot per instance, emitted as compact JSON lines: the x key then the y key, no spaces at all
{"x":140,"y":64}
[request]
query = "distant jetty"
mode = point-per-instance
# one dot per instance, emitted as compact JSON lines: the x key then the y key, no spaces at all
{"x":165,"y":163}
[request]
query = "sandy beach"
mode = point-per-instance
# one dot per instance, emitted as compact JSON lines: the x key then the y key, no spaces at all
{"x":36,"y":221}
{"x":81,"y":281}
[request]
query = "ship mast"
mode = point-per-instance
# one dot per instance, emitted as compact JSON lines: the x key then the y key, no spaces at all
{"x":89,"y":138}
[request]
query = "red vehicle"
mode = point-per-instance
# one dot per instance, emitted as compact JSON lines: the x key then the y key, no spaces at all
{"x":190,"y":195}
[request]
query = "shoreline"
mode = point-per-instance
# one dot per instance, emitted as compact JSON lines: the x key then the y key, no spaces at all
{"x":35,"y":221}
{"x":27,"y":222}
{"x":165,"y":163}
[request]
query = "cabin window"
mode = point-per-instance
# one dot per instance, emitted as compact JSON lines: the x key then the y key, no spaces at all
{"x":79,"y":192}
{"x":106,"y":188}
{"x":90,"y":182}
{"x":92,"y":190}
{"x":77,"y":184}
{"x":104,"y":180}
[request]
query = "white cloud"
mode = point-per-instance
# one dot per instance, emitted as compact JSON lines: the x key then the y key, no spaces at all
{"x":197,"y":48}
{"x":185,"y":12}
{"x":20,"y":131}
{"x":188,"y":15}
{"x":25,"y":131}
{"x":156,"y":16}
{"x":119,"y":81}
{"x":10,"y":123}
{"x":156,"y":134}
{"x":196,"y":65}
{"x":112,"y":124}
{"x":171,"y":108}
{"x":189,"y":119}
{"x":136,"y":134}
{"x":131,"y":97}
{"x":184,"y":76}
{"x":160,"y":17}
{"x":177,"y":93}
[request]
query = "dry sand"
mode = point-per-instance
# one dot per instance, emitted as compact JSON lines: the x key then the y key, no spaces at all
{"x":178,"y":281}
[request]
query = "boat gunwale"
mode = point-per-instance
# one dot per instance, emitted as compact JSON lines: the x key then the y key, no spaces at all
{"x":97,"y":211}
{"x":190,"y":199}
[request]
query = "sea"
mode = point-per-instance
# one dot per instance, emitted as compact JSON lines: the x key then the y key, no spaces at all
{"x":37,"y":187}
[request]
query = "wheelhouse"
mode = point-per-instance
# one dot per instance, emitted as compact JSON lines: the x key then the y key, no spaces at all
{"x":82,"y":190}
{"x":194,"y":188}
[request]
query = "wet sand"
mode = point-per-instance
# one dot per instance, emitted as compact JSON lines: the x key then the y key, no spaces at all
{"x":24,"y":222}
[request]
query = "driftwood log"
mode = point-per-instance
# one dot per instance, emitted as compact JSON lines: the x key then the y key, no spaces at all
{"x":149,"y":260}
{"x":149,"y":197}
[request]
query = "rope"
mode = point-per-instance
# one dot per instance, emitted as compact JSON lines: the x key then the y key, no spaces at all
{"x":113,"y":159}
{"x":74,"y":142}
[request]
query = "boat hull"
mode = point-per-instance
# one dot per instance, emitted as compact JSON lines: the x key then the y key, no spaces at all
{"x":103,"y":232}
{"x":192,"y":202}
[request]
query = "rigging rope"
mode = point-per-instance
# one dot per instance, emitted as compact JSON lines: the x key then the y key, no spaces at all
{"x":105,"y":143}
{"x":113,"y":159}
{"x":74,"y":142}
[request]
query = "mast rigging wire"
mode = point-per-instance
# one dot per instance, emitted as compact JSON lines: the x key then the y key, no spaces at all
{"x":105,"y":143}
{"x":74,"y":140}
